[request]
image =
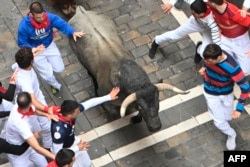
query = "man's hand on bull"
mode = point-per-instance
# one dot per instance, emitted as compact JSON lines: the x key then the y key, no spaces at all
{"x":37,"y":50}
{"x":114,"y":93}
{"x":78,"y":34}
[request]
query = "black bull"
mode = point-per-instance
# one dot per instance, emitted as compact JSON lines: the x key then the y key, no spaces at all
{"x":102,"y":54}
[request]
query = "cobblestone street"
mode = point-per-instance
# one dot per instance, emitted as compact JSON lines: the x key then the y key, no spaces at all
{"x":188,"y":137}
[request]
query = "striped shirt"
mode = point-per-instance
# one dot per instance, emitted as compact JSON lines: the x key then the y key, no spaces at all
{"x":219,"y":79}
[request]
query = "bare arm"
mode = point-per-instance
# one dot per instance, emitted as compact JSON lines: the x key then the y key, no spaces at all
{"x":35,"y":145}
{"x":99,"y":100}
{"x":38,"y":105}
{"x":48,"y":115}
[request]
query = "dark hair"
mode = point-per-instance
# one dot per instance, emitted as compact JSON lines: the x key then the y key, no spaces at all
{"x":24,"y":57}
{"x":217,"y":2}
{"x":36,"y":7}
{"x":198,"y":6}
{"x":23,"y":100}
{"x":212,"y":51}
{"x":68,"y":107}
{"x":64,"y":157}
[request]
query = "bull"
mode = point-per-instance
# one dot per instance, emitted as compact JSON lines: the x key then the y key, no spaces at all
{"x":102,"y":54}
{"x":68,"y":7}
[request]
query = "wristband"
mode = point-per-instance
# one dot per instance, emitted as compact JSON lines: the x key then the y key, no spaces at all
{"x":81,"y":107}
{"x":46,"y":109}
{"x":56,"y":109}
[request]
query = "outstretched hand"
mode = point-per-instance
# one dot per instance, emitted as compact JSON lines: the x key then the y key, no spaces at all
{"x":236,"y":114}
{"x":54,"y":110}
{"x":166,"y":8}
{"x":114,"y":93}
{"x":53,"y":117}
{"x":37,"y":50}
{"x":78,"y":34}
{"x":243,"y":11}
{"x":83,"y":145}
{"x":202,"y":70}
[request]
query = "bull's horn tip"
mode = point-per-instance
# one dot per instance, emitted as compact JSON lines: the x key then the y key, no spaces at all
{"x":122,"y":112}
{"x":186,"y":92}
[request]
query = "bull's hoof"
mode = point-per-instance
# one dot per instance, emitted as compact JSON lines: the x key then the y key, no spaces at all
{"x":136,"y":119}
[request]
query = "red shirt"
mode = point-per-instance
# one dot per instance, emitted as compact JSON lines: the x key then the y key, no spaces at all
{"x":231,"y":23}
{"x":52,"y":164}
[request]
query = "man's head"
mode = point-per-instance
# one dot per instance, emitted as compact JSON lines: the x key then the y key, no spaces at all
{"x":24,"y":57}
{"x":65,"y":158}
{"x":70,"y":109}
{"x":198,"y":8}
{"x":23,"y":100}
{"x":213,"y":53}
{"x":37,"y":12}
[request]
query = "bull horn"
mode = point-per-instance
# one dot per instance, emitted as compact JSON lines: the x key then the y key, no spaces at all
{"x":162,"y":86}
{"x":128,"y":100}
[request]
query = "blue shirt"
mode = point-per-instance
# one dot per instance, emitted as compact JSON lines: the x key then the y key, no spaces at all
{"x":29,"y":36}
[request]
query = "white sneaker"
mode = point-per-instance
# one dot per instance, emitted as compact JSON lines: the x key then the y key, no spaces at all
{"x":231,"y":142}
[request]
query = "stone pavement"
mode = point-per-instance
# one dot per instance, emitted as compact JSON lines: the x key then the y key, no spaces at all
{"x":137,"y":21}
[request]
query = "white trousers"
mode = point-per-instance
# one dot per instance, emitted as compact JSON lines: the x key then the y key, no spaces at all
{"x":48,"y":61}
{"x":82,"y":157}
{"x":28,"y":156}
{"x":221,"y":108}
{"x":5,"y":106}
{"x":238,"y":47}
{"x":190,"y":26}
{"x":45,"y":125}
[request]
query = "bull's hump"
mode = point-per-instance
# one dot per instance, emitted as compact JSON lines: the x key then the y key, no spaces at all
{"x":131,"y":71}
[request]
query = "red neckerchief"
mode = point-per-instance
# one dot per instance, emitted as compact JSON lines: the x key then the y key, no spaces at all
{"x":2,"y":89}
{"x":44,"y":24}
{"x":52,"y":164}
{"x":63,"y":119}
{"x":207,"y":12}
{"x":29,"y":113}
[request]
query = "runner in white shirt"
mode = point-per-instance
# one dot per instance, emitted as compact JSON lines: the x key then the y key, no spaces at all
{"x":27,"y":81}
{"x":201,"y":21}
{"x":20,"y":128}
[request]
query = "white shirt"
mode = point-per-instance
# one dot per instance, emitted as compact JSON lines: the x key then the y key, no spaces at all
{"x":246,"y":4}
{"x":27,"y":81}
{"x":207,"y":21}
{"x":19,"y":128}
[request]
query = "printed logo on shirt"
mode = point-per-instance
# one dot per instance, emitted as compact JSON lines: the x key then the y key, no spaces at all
{"x":57,"y":135}
{"x":40,"y":31}
{"x":40,"y":34}
{"x":72,"y":130}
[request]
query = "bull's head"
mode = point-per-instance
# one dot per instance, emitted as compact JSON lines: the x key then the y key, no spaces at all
{"x":147,"y":101}
{"x":68,"y":7}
